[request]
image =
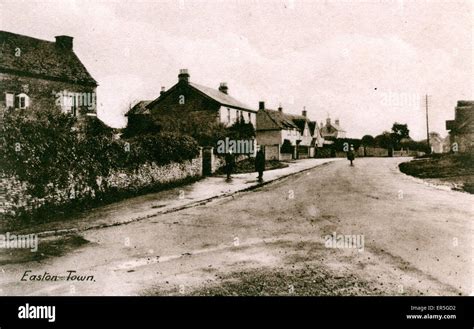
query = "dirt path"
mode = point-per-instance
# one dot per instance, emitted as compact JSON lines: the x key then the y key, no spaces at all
{"x":417,"y":240}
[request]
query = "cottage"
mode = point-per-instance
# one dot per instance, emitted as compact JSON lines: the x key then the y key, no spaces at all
{"x":332,"y":131}
{"x":274,"y":127}
{"x":461,"y":129}
{"x":189,"y":101}
{"x":37,"y":74}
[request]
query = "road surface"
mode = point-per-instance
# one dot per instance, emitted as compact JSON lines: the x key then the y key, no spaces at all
{"x":417,"y":240}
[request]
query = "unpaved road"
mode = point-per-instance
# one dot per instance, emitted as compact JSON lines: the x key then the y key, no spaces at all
{"x":418,"y":239}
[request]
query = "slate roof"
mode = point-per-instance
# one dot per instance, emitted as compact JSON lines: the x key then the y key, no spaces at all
{"x":139,"y":108}
{"x":221,"y":98}
{"x":218,"y":96}
{"x":41,"y":59}
{"x":283,"y":120}
{"x":326,"y":130}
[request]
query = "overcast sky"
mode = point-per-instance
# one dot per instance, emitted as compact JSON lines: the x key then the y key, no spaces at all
{"x":368,"y":63}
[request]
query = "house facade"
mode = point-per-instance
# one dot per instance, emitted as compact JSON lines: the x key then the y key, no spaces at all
{"x":188,"y":101}
{"x":274,"y":127}
{"x":332,"y":130}
{"x":37,"y":74}
{"x":461,"y":129}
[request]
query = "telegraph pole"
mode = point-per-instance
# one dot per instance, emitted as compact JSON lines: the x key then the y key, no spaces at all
{"x":427,"y":124}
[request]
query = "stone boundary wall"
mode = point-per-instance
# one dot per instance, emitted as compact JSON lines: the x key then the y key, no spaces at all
{"x":15,"y":198}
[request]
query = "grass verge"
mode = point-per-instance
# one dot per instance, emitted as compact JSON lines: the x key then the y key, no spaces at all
{"x":457,"y":169}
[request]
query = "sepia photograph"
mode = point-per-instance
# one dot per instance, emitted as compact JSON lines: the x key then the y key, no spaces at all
{"x":244,"y":148}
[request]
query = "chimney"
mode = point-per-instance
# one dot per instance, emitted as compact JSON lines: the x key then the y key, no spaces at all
{"x":162,"y":90}
{"x":328,"y":121}
{"x":261,"y":105}
{"x":280,"y":109}
{"x":304,"y":113}
{"x":223,"y":87}
{"x":322,"y":125}
{"x":337,"y":122}
{"x":64,"y":42}
{"x":183,"y":75}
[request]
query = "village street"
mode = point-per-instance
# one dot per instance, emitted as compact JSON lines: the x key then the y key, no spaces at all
{"x":418,"y":239}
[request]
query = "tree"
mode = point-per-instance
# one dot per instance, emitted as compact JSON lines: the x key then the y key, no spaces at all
{"x":241,"y":130}
{"x":367,"y":141}
{"x":399,"y":132}
{"x":385,"y":141}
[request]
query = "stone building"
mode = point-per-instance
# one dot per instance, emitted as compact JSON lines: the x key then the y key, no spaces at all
{"x":187,"y":101}
{"x":461,"y":129}
{"x":332,"y":130}
{"x":37,"y":74}
{"x":274,"y":127}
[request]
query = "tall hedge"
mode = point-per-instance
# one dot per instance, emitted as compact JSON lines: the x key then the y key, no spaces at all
{"x":45,"y":149}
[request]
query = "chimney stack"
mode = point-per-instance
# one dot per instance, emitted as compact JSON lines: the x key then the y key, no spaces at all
{"x":280,"y":109}
{"x":162,"y":90}
{"x":64,"y":42}
{"x":304,"y":113}
{"x":223,"y":87}
{"x":261,"y":105}
{"x":183,"y":75}
{"x":328,"y":121}
{"x":337,"y":122}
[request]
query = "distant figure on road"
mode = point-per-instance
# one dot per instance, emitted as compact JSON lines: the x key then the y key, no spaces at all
{"x":260,"y":164}
{"x":351,"y":154}
{"x":229,"y":164}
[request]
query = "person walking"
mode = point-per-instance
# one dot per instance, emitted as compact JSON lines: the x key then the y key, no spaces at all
{"x":351,"y":154}
{"x":260,"y":164}
{"x":229,"y":164}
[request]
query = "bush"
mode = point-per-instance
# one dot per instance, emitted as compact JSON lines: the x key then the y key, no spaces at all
{"x":286,"y":147}
{"x":45,"y":150}
{"x":38,"y":148}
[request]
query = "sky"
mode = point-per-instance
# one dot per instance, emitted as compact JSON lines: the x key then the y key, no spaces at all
{"x":368,"y":63}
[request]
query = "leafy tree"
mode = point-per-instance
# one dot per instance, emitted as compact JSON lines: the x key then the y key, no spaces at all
{"x":384,"y":140}
{"x":368,"y":140}
{"x":241,"y":130}
{"x":399,"y":132}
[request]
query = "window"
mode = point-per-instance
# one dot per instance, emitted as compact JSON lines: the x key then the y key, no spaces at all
{"x":9,"y":100}
{"x":69,"y":103}
{"x":23,"y":101}
{"x":250,"y":118}
{"x":228,"y":115}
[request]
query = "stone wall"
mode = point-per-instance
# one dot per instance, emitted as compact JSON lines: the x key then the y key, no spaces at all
{"x":16,"y":199}
{"x":372,"y":152}
{"x":464,"y":142}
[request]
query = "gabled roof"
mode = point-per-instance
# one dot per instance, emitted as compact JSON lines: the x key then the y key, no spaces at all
{"x":27,"y":56}
{"x":312,"y":126}
{"x":336,"y":127}
{"x":222,"y":98}
{"x":301,"y":123}
{"x":218,"y":96}
{"x":282,"y":120}
{"x":139,"y":108}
